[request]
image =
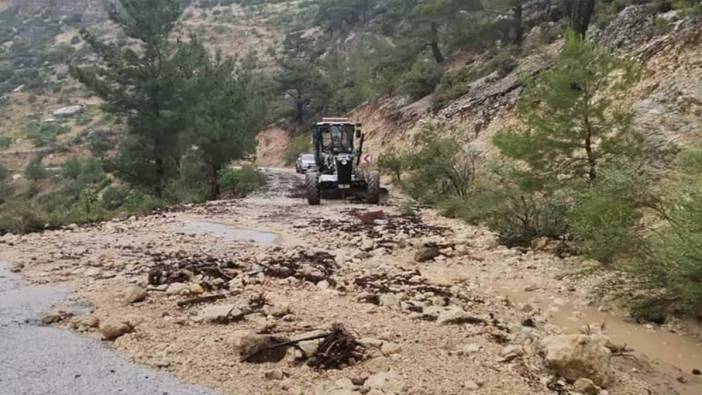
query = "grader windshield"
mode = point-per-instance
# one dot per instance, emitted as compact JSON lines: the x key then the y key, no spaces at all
{"x":337,"y":139}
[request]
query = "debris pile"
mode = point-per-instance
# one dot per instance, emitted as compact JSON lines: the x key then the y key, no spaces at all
{"x":378,"y":224}
{"x":300,"y":264}
{"x":181,"y":267}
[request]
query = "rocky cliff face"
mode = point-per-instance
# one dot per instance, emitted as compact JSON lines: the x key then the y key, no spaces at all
{"x":667,"y":101}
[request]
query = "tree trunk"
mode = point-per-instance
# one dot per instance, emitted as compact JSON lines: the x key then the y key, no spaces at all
{"x":517,"y":30}
{"x":214,"y":182}
{"x":435,"y":49}
{"x":299,"y":110}
{"x":580,"y":13}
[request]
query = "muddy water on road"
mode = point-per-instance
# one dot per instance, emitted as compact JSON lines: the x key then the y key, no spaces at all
{"x":670,"y":353}
{"x":228,"y":232}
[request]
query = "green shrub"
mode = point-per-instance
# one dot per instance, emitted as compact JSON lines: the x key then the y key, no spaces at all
{"x":35,"y":170}
{"x":297,"y":145}
{"x":394,"y":164}
{"x":114,"y":197}
{"x":5,"y":142}
{"x":241,"y":182}
{"x":21,"y":217}
{"x":43,"y":134}
{"x":440,"y":168}
{"x":669,"y":267}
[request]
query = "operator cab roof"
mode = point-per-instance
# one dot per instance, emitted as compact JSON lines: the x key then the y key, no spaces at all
{"x":337,"y":121}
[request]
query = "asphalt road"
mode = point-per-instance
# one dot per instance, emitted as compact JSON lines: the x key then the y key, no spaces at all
{"x":38,"y":360}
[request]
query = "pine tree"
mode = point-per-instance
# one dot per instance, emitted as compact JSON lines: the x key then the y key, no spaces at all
{"x":430,"y":18}
{"x":141,"y":84}
{"x":572,"y":122}
{"x":227,"y":112}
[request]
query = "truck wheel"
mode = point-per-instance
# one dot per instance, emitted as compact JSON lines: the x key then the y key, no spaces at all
{"x":312,"y":186}
{"x":373,"y":187}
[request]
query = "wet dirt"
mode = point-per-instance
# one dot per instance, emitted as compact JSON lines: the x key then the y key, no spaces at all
{"x":198,"y":228}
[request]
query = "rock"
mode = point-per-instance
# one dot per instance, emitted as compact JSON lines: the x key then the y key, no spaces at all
{"x":370,"y":342}
{"x":390,"y":300}
{"x":67,"y":112}
{"x":246,"y":343}
{"x":275,"y":374}
{"x":471,"y":385}
{"x":90,"y":321}
{"x":586,"y":386}
{"x":112,"y":330}
{"x":471,"y":348}
{"x":389,"y":348}
{"x":387,"y":382}
{"x":456,"y":316}
{"x":579,"y":356}
{"x":342,"y":386}
{"x":280,"y":310}
{"x":177,"y":289}
{"x":324,"y":284}
{"x":135,"y":294}
{"x":309,"y":347}
{"x":426,"y":253}
{"x":220,"y":314}
{"x":509,"y":353}
{"x":92,"y":272}
{"x":55,"y":316}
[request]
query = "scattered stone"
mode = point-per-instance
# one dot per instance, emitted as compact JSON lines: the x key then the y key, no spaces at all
{"x":249,"y":346}
{"x":389,"y":348}
{"x":579,"y":356}
{"x":324,"y":284}
{"x":510,"y":353}
{"x":112,"y":330}
{"x":456,"y":316}
{"x":55,"y":316}
{"x":280,"y":310}
{"x":275,"y":374}
{"x":387,"y":382}
{"x":586,"y":386}
{"x":471,"y":385}
{"x":390,"y":300}
{"x":426,"y":253}
{"x":219,"y":314}
{"x":135,"y":294}
{"x":177,"y":288}
{"x":471,"y":348}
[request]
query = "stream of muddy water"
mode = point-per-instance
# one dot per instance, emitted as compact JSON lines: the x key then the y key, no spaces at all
{"x":673,"y":354}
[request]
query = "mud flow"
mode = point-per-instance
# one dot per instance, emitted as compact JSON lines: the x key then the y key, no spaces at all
{"x":229,"y":233}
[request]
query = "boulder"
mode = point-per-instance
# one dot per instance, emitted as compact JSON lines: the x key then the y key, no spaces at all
{"x":112,"y":330}
{"x":389,"y":348}
{"x":67,"y":112}
{"x":135,"y":294}
{"x":426,"y":253}
{"x":387,"y":382}
{"x":220,"y":314}
{"x":177,"y":289}
{"x":586,"y":386}
{"x":247,"y":343}
{"x":579,"y":356}
{"x":456,"y":316}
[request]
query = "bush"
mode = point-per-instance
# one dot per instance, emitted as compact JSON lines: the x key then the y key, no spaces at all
{"x":669,"y":266}
{"x":393,"y":164}
{"x":440,"y":168}
{"x":20,"y":217}
{"x":35,"y":170}
{"x":5,"y":142}
{"x":114,"y":197}
{"x":43,"y":134}
{"x":297,"y":145}
{"x":241,"y":182}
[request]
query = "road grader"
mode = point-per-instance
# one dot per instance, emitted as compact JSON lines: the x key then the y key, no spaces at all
{"x":338,"y":152}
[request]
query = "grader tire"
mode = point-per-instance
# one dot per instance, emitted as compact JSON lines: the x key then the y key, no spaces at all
{"x":312,"y":186}
{"x":373,"y":182}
